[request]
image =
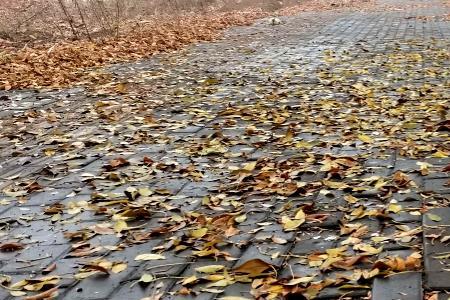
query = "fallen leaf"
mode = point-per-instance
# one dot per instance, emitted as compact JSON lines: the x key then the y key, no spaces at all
{"x":433,"y":217}
{"x":51,"y":293}
{"x":146,"y":278}
{"x":149,"y":256}
{"x":11,"y":246}
{"x":209,"y":269}
{"x":117,"y":268}
{"x":253,"y":267}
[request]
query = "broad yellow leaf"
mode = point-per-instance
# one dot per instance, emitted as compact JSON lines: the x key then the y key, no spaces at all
{"x":83,"y":275}
{"x":117,"y":268}
{"x":365,"y":138}
{"x":367,"y":249}
{"x":221,"y":283}
{"x":17,"y":293}
{"x":440,"y":154}
{"x":189,"y":280}
{"x":350,"y":199}
{"x":395,"y":208}
{"x":210,"y":269}
{"x":296,"y":281}
{"x":249,"y":166}
{"x":198,"y":233}
{"x":289,"y":225}
{"x":303,"y":144}
{"x":424,"y":167}
{"x":300,"y":215}
{"x":434,"y":217}
{"x":120,"y":226}
{"x":241,"y":218}
{"x":149,"y":256}
{"x":146,"y":278}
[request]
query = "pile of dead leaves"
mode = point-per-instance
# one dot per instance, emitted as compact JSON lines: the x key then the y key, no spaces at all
{"x":74,"y":62}
{"x":64,"y":63}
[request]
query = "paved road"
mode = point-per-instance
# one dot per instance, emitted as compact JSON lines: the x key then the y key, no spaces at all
{"x":303,"y":145}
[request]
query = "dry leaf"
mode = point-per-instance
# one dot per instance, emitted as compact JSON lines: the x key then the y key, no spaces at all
{"x":253,"y":267}
{"x":149,"y":256}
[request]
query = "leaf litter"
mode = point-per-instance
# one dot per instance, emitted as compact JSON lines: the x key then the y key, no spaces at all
{"x":297,"y":164}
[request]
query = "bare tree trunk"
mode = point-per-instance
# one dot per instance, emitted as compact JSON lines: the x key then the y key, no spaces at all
{"x":117,"y":17}
{"x":104,"y":16}
{"x":68,"y":17}
{"x":83,"y":21}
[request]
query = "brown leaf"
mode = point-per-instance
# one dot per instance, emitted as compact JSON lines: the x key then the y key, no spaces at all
{"x":34,"y":187}
{"x":253,"y":267}
{"x":54,"y":209}
{"x":44,"y":295}
{"x":11,"y":246}
{"x":347,"y":264}
{"x":401,"y":179}
{"x":96,"y":268}
{"x":116,"y":163}
{"x":148,"y":161}
{"x":99,"y":229}
{"x":443,"y":126}
{"x":49,"y":269}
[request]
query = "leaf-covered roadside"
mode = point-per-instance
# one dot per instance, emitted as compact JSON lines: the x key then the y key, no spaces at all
{"x":302,"y":196}
{"x":66,"y":63}
{"x":300,"y":178}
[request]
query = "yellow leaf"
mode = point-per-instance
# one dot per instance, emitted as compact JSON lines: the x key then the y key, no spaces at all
{"x":395,"y":208}
{"x":353,"y":286}
{"x":189,"y":280}
{"x":303,"y":144}
{"x":146,"y":278}
{"x":120,"y":226}
{"x":434,"y":217}
{"x":440,"y":154}
{"x":289,"y":136}
{"x":210,"y":269}
{"x":18,"y":285}
{"x":289,"y":225}
{"x":149,"y":256}
{"x":367,"y":249}
{"x":350,"y":199}
{"x":249,"y":166}
{"x":221,"y":283}
{"x":424,"y":167}
{"x":380,"y":239}
{"x":300,"y":215}
{"x":17,"y":293}
{"x":117,"y":268}
{"x":335,"y":252}
{"x":83,"y":275}
{"x":214,"y":277}
{"x":300,"y":280}
{"x":335,"y":184}
{"x":198,"y":233}
{"x":49,"y":152}
{"x":241,"y":218}
{"x":365,"y":138}
{"x":145,"y":192}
